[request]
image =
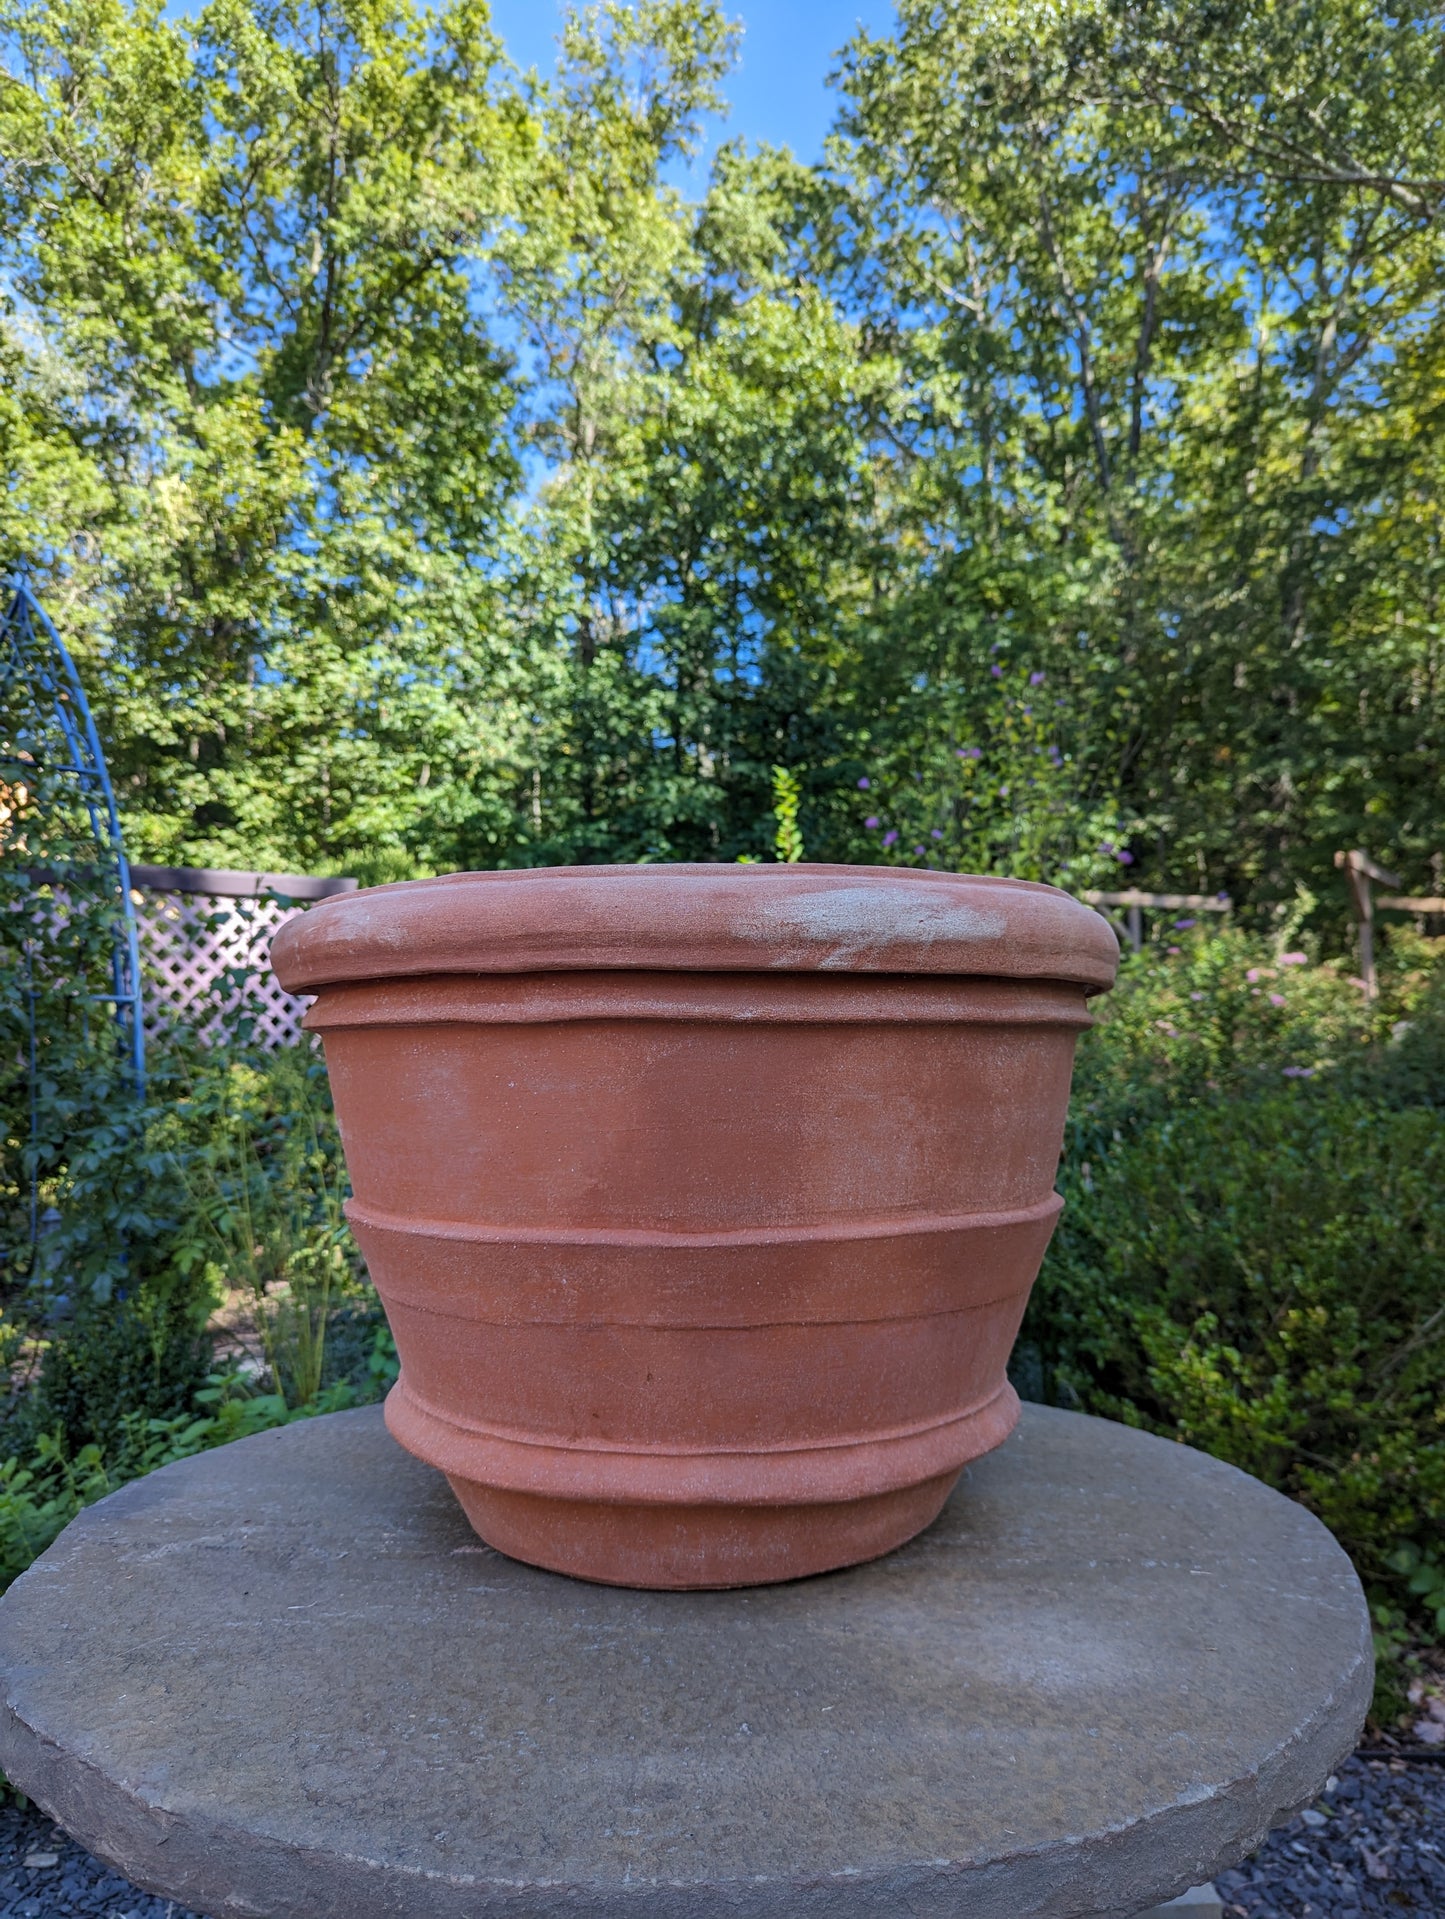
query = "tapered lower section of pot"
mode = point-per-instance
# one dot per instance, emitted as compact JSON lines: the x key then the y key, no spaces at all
{"x":689,"y":1520}
{"x":693,"y":1548}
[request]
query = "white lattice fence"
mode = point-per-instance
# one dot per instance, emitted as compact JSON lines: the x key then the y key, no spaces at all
{"x":205,"y":943}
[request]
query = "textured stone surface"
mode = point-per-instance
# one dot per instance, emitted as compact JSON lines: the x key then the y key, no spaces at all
{"x":1200,"y":1902}
{"x":285,"y":1678}
{"x":1303,"y":1871}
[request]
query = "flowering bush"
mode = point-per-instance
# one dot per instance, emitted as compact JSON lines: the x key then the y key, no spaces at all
{"x":1202,"y":1013}
{"x":1005,"y":797}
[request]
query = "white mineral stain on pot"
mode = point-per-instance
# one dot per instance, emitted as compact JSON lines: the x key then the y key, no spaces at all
{"x":856,"y":920}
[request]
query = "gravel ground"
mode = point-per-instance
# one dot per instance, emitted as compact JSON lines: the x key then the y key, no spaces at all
{"x":1374,"y":1844}
{"x":45,"y":1875}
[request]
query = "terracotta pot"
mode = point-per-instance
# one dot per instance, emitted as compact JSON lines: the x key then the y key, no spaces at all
{"x":704,"y":1201}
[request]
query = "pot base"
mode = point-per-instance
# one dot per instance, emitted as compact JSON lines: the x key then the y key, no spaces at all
{"x":679,"y":1521}
{"x":676,"y":1548}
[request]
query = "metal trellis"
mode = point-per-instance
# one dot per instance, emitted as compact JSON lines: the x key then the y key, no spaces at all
{"x":52,"y":735}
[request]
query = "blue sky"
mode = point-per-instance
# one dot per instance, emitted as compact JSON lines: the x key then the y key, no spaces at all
{"x":778,"y":91}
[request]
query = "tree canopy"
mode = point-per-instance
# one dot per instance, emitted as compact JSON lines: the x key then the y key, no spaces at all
{"x":1050,"y":479}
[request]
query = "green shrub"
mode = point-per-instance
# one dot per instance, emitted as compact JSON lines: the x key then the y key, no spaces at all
{"x":113,"y":1318}
{"x":254,"y":1145}
{"x":225,"y":1184}
{"x":1262,"y":1278}
{"x":145,"y":1355}
{"x":230,"y":1181}
{"x":40,"y":1495}
{"x":1251,"y":1255}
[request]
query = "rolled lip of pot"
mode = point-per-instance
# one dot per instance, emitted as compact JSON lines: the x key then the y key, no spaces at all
{"x":699,"y":918}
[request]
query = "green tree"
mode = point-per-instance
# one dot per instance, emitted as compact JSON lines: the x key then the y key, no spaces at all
{"x":426,"y":482}
{"x":249,"y":242}
{"x":1165,"y":284}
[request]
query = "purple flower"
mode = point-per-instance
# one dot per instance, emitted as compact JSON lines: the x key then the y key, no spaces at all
{"x":1299,"y":1072}
{"x":1293,"y":959}
{"x":996,"y":670}
{"x":1028,"y":712}
{"x":1196,"y":996}
{"x":1125,"y":859}
{"x":1221,"y":896}
{"x":1181,"y":926}
{"x":938,"y":832}
{"x":1253,"y":974}
{"x":890,"y":838}
{"x":1106,"y":846}
{"x":970,"y":752}
{"x":920,"y":850}
{"x":864,"y":784}
{"x":871,"y":821}
{"x":1276,"y":999}
{"x":1036,"y":679}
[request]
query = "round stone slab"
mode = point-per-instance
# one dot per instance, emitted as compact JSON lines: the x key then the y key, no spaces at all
{"x":285,"y":1678}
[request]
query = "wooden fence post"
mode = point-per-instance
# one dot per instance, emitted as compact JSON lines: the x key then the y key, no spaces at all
{"x":1359,"y":870}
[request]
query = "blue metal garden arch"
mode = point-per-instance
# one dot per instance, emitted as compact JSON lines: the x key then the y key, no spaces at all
{"x":52,"y":735}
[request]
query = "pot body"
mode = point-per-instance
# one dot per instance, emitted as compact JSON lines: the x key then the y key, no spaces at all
{"x":701,"y":1278}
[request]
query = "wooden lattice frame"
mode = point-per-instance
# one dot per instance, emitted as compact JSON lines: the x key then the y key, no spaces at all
{"x":205,"y":945}
{"x":205,"y":961}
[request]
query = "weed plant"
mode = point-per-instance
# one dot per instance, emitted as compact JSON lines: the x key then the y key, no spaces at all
{"x":43,"y":1488}
{"x":257,"y":1155}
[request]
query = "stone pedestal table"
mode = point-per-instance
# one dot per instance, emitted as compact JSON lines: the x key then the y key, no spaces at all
{"x":285,"y":1678}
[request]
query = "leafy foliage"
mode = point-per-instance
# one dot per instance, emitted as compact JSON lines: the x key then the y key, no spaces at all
{"x":1250,"y":1255}
{"x":40,"y":1494}
{"x":426,"y":482}
{"x":1261,"y":1278}
{"x":787,"y":802}
{"x":1425,"y":1580}
{"x":257,"y":1153}
{"x":1158,"y":282}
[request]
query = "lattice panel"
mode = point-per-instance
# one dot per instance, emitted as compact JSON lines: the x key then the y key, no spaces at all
{"x":207,"y":961}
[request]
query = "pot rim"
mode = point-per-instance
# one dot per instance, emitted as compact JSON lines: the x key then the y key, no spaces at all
{"x":699,"y":918}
